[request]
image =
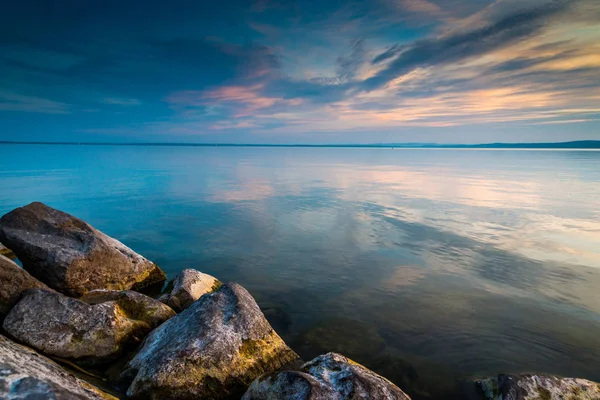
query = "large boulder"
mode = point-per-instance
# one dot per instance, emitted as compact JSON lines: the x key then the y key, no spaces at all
{"x":188,"y":287}
{"x":68,"y":328}
{"x":71,"y":256}
{"x":327,"y":377}
{"x":538,"y":387}
{"x":14,"y":280}
{"x":212,"y":350}
{"x":25,"y":374}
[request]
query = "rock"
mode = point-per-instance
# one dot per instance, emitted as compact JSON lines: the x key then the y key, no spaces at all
{"x":71,"y":256}
{"x":188,"y":286}
{"x":60,"y":326}
{"x":6,"y":252}
{"x":25,"y":374}
{"x":212,"y":350}
{"x":136,"y":305}
{"x":538,"y":387}
{"x":327,"y":377}
{"x":14,"y":280}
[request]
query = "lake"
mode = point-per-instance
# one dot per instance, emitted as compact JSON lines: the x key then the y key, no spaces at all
{"x":428,"y":266}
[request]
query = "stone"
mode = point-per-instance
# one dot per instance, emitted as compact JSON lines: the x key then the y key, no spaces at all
{"x":14,"y":280}
{"x":60,"y":326}
{"x":538,"y":387}
{"x":6,"y":252}
{"x":212,"y":350}
{"x":327,"y":377}
{"x":71,"y":256}
{"x":136,"y":305}
{"x":188,"y":287}
{"x":25,"y":374}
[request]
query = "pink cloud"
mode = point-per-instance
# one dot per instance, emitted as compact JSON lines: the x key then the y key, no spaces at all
{"x":244,"y":100}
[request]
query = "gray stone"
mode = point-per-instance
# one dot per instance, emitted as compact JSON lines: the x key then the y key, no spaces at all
{"x":212,"y":350}
{"x":14,"y":280}
{"x":188,"y":287}
{"x":327,"y":377}
{"x":538,"y":387}
{"x":60,"y":326}
{"x":25,"y":374}
{"x":71,"y":256}
{"x":136,"y":305}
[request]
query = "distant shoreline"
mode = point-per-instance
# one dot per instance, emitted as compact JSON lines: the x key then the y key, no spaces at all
{"x":573,"y":145}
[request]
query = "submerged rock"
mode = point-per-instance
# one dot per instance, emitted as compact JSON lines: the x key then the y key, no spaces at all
{"x":538,"y":387}
{"x":60,"y":326}
{"x":327,"y":377}
{"x":25,"y":374}
{"x":212,"y":350}
{"x":342,"y":335}
{"x":14,"y":280}
{"x":188,"y":287}
{"x":71,"y":256}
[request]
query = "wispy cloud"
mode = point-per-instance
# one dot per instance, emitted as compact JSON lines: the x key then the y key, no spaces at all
{"x":278,"y":68}
{"x":121,"y":101}
{"x":18,"y":102}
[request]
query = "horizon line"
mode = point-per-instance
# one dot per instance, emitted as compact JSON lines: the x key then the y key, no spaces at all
{"x":576,"y":144}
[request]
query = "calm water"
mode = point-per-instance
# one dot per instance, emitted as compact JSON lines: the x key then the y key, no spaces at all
{"x":422,"y":264}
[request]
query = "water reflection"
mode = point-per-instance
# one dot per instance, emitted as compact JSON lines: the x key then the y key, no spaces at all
{"x":466,"y":261}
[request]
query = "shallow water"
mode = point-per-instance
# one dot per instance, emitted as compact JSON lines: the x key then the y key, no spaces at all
{"x":423,"y":264}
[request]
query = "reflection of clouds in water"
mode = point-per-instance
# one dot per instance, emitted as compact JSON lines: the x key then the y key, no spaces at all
{"x":487,"y":208}
{"x":471,"y":257}
{"x":245,"y":191}
{"x":403,"y":275}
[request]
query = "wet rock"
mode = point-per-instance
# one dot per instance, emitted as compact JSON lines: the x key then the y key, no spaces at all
{"x":279,"y":319}
{"x":60,"y":326}
{"x":25,"y":374}
{"x":188,"y":287}
{"x":538,"y":387}
{"x":212,"y":350}
{"x":327,"y":377}
{"x":6,"y":252}
{"x":71,"y":256}
{"x":14,"y":280}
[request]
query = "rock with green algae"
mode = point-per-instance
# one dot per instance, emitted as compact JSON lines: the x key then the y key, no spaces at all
{"x":70,"y":255}
{"x":212,"y":350}
{"x":60,"y":326}
{"x":6,"y":252}
{"x":14,"y":280}
{"x":25,"y":374}
{"x":188,"y":287}
{"x":327,"y":377}
{"x":538,"y":387}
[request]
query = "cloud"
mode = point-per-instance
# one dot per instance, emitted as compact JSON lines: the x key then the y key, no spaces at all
{"x":327,"y":68}
{"x":463,"y":45}
{"x":423,"y":6}
{"x":18,"y":102}
{"x":121,"y":101}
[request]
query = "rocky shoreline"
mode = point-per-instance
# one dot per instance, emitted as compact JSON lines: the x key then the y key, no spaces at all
{"x":76,"y":326}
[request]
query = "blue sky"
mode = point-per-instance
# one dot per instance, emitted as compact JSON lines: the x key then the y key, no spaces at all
{"x":306,"y":71}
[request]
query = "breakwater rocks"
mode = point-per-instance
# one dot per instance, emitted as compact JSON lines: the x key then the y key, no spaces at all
{"x":74,"y":326}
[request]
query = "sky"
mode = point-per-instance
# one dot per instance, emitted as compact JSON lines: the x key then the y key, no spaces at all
{"x":304,"y":71}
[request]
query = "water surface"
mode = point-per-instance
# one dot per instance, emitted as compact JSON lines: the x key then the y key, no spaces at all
{"x":422,"y":264}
